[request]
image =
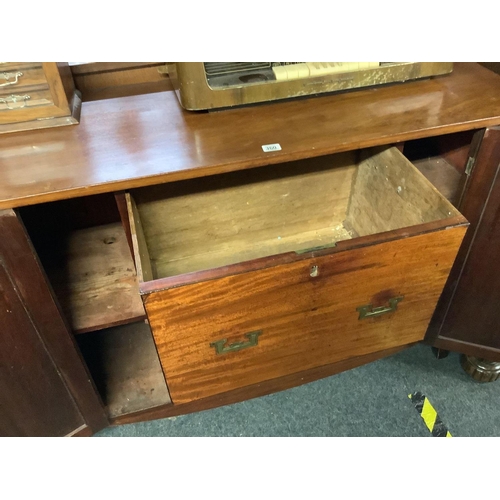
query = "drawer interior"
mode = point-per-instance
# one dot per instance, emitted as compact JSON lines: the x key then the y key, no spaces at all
{"x":210,"y":222}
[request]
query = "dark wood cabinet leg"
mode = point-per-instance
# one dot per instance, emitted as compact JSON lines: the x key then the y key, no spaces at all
{"x":480,"y":369}
{"x":440,"y":353}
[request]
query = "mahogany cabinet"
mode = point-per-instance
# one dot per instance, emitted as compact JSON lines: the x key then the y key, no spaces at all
{"x":84,"y":307}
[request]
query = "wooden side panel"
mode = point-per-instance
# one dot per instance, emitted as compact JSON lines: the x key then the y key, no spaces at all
{"x":139,"y":245}
{"x":46,"y":220}
{"x":121,"y":204}
{"x":307,"y":319}
{"x":455,"y":148}
{"x":56,"y":86}
{"x":493,"y":66}
{"x":53,"y":337}
{"x":109,"y":80}
{"x":34,"y":401}
{"x":390,"y":193}
{"x":472,"y":324}
{"x":67,"y":82}
{"x":443,"y":175}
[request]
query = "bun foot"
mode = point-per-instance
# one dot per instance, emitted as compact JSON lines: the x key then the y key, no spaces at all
{"x":480,"y":369}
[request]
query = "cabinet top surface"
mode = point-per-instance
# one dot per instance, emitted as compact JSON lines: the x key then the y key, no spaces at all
{"x":143,"y":140}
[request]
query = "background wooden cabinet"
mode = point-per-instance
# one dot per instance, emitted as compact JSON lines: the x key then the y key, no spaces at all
{"x":36,"y":95}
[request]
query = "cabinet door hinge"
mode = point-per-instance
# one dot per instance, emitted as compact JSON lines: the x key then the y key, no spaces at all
{"x":470,"y":165}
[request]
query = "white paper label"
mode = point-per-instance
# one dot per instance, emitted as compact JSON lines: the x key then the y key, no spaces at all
{"x":271,"y":147}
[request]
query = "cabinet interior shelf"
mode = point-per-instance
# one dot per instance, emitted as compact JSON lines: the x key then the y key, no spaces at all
{"x":125,"y":367}
{"x":94,"y":278}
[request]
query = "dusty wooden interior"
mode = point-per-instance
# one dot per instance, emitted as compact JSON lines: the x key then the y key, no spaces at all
{"x":88,"y":262}
{"x":215,"y":221}
{"x":97,"y":283}
{"x":125,"y":367}
{"x":390,"y":193}
{"x":443,"y":161}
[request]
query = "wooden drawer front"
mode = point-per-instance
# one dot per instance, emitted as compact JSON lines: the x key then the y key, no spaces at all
{"x":22,"y":80}
{"x":18,"y":66}
{"x":22,"y":106}
{"x":303,"y":316}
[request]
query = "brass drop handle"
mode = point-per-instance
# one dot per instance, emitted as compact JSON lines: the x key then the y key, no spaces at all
{"x":221,"y":348}
{"x":369,"y":311}
{"x":8,"y":76}
{"x":15,"y":99}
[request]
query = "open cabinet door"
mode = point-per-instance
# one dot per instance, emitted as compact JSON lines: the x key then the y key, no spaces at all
{"x":45,"y":389}
{"x":466,"y":319}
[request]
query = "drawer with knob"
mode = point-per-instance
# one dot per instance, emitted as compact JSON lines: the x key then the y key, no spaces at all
{"x":23,"y":101}
{"x":253,"y":275}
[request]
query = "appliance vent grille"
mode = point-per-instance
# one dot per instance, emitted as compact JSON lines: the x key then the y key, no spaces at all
{"x":224,"y":68}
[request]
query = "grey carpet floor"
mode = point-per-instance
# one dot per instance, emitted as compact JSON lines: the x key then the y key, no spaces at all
{"x":368,"y":401}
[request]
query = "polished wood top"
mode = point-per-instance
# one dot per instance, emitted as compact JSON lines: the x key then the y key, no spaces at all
{"x":149,"y":139}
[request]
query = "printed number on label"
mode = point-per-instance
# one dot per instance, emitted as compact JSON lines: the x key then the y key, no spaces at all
{"x":271,"y":147}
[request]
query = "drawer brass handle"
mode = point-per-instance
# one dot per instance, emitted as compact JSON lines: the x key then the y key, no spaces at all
{"x":8,"y":76}
{"x":220,"y":348}
{"x":15,"y":99}
{"x":369,"y":311}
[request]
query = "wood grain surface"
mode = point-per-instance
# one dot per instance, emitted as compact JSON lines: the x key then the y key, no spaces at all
{"x":93,"y":276}
{"x":124,"y":363}
{"x":30,"y":385}
{"x":390,"y":193}
{"x":261,"y":216}
{"x":139,"y":245}
{"x":144,"y":140}
{"x":43,"y":375}
{"x":255,"y":390}
{"x":467,"y":318}
{"x":31,"y":79}
{"x":306,"y":321}
{"x":479,"y":205}
{"x":42,"y":104}
{"x":442,"y":174}
{"x":220,"y":220}
{"x":110,"y":80}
